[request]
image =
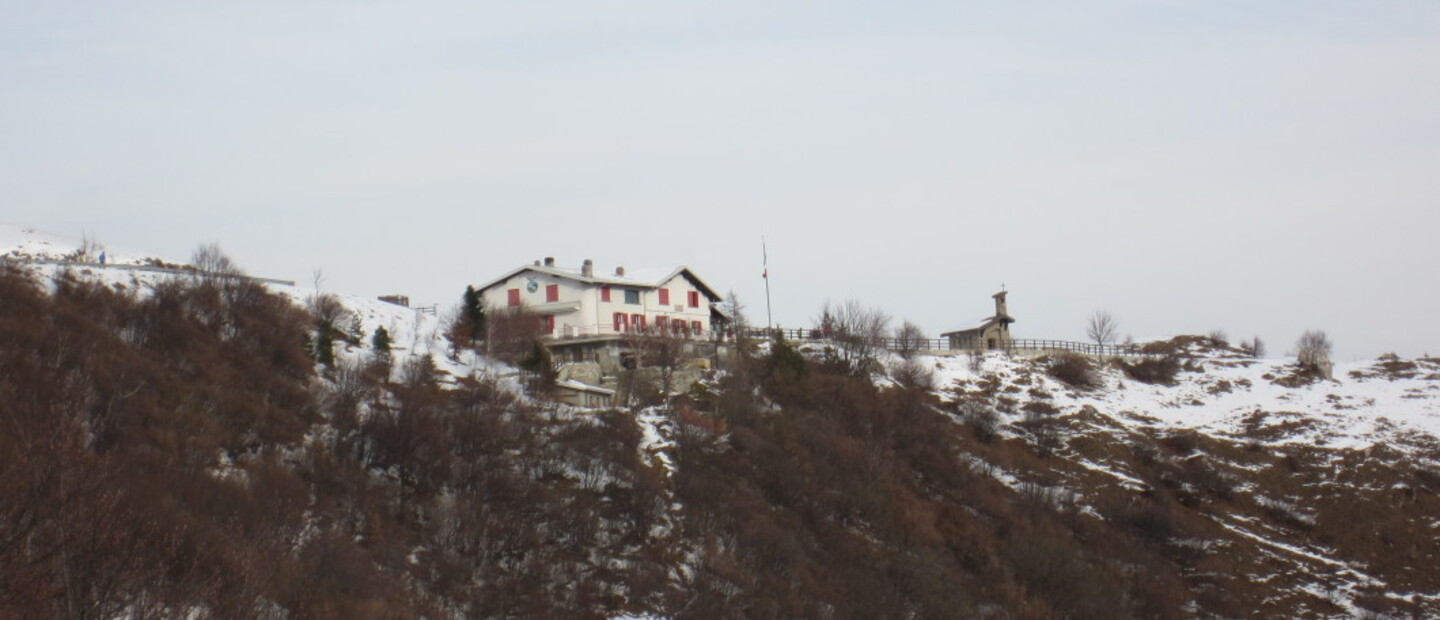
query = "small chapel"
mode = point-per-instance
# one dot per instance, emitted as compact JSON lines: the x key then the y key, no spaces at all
{"x":994,"y":333}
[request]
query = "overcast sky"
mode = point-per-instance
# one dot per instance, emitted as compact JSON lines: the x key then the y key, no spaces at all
{"x":1257,"y":167}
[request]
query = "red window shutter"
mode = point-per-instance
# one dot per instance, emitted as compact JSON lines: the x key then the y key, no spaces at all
{"x":664,"y":296}
{"x":637,"y":322}
{"x":604,"y":293}
{"x":549,"y":323}
{"x":696,"y":328}
{"x":619,"y":322}
{"x":662,"y":323}
{"x":512,"y":296}
{"x":552,"y":293}
{"x":694,"y":299}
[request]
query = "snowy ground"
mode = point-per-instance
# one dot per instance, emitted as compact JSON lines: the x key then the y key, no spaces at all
{"x":412,"y":332}
{"x":1361,"y":407}
{"x":1391,"y":402}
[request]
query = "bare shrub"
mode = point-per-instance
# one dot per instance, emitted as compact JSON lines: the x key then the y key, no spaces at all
{"x":1146,"y":516}
{"x":1158,"y":371}
{"x":914,"y":375}
{"x":983,"y":421}
{"x":418,"y":371}
{"x":1217,"y":338}
{"x":1254,"y":347}
{"x":1074,"y":370}
{"x":513,"y":334}
{"x":1183,"y":443}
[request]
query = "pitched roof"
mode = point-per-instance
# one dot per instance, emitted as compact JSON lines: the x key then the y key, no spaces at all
{"x":1001,"y":319}
{"x":638,"y":278}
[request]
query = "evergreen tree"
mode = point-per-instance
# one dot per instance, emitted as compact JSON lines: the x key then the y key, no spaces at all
{"x":325,"y":343}
{"x":472,"y":312}
{"x":357,"y":329}
{"x":380,"y":342}
{"x":540,"y":367}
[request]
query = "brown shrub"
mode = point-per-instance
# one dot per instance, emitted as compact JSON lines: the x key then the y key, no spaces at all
{"x":1075,"y":370}
{"x":1159,"y":371}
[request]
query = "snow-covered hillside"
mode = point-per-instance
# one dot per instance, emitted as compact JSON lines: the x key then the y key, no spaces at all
{"x":1225,"y":393}
{"x":1248,"y":489}
{"x":1309,"y":485}
{"x":412,"y":332}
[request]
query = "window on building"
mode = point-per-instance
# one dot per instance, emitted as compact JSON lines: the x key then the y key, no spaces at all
{"x":697,"y":328}
{"x":604,"y":293}
{"x":621,"y":325}
{"x":694,"y":299}
{"x":632,"y":296}
{"x":637,"y":322}
{"x":549,"y":321}
{"x":662,"y":324}
{"x":552,"y":293}
{"x":664,"y":296}
{"x":512,"y":297}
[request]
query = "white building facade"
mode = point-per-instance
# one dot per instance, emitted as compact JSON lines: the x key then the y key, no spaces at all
{"x":577,"y":304}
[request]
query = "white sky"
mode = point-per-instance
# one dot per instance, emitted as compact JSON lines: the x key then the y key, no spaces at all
{"x":1261,"y":168}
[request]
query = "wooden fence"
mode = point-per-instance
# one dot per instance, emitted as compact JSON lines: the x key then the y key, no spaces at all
{"x":945,"y":344}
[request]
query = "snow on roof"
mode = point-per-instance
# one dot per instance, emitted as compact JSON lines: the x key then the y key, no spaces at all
{"x":640,"y":278}
{"x":584,"y":387}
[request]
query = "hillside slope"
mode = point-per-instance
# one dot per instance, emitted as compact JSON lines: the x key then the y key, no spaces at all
{"x":217,"y":469}
{"x":1313,"y":495}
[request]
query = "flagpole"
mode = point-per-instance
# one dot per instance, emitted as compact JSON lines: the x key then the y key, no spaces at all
{"x":765,"y":254}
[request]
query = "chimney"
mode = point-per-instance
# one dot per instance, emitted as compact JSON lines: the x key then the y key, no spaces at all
{"x":537,"y":262}
{"x":587,"y":268}
{"x":620,"y":271}
{"x":549,"y":261}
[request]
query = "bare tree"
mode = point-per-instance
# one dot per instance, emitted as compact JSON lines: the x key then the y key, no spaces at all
{"x":857,"y":331}
{"x":1102,"y":327}
{"x":909,"y":338}
{"x":1312,"y":351}
{"x":739,"y":326}
{"x":663,"y":352}
{"x":1255,"y":347}
{"x":210,"y":261}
